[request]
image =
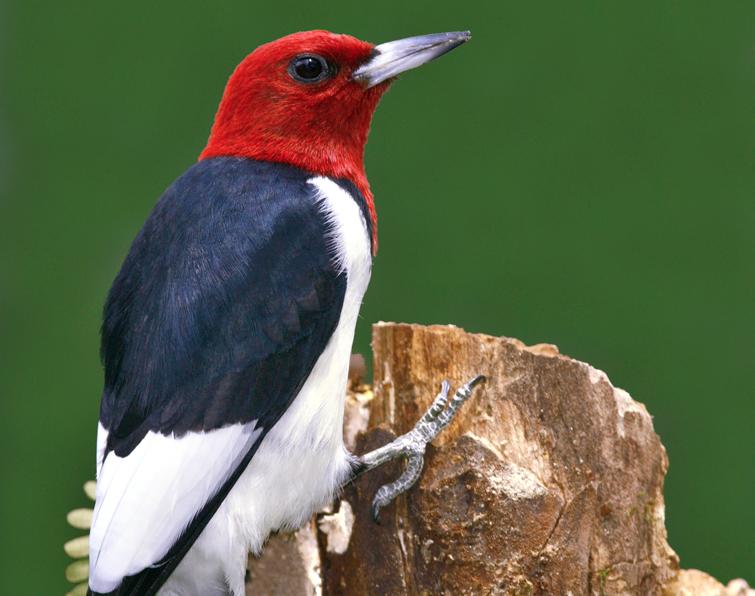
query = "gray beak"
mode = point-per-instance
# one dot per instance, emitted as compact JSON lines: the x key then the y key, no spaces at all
{"x":392,"y":58}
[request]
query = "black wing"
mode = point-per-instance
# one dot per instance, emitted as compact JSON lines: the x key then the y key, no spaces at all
{"x":219,"y":313}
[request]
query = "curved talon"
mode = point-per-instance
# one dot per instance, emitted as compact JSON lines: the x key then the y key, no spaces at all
{"x":412,"y":444}
{"x":386,"y":493}
{"x":476,"y":381}
{"x":379,"y":501}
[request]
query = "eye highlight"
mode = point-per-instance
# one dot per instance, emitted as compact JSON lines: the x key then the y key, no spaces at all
{"x":309,"y":68}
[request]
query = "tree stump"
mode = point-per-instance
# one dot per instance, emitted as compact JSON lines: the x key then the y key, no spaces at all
{"x":549,"y":481}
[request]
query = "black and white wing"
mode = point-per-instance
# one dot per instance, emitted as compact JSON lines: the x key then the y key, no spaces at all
{"x":227,"y":298}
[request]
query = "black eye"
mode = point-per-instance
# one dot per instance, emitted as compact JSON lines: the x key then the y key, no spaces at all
{"x":309,"y":68}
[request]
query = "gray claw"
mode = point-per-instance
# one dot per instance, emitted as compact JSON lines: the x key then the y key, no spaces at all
{"x":386,"y":493}
{"x":476,"y":381}
{"x":413,"y":443}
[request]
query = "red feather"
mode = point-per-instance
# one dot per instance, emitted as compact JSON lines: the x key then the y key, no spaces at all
{"x":320,"y":127}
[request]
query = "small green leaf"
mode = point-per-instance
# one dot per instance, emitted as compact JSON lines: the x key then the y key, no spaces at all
{"x":77,"y":571}
{"x":80,"y":518}
{"x":77,"y":548}
{"x":78,"y":590}
{"x":90,"y":489}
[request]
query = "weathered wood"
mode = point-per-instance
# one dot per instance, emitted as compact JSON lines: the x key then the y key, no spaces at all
{"x":550,"y":481}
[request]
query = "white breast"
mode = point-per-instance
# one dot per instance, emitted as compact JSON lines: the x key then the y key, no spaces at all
{"x":302,"y":461}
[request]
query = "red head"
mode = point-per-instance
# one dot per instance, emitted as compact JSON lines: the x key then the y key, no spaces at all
{"x":307,"y":100}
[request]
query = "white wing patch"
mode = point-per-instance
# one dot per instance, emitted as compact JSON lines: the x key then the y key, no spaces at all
{"x":347,"y":231}
{"x":101,"y":444}
{"x":146,"y":499}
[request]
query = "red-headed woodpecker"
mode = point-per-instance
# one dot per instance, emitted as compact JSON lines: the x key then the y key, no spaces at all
{"x":227,"y":332}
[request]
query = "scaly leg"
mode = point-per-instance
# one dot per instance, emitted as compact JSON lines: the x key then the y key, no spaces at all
{"x":412,"y":444}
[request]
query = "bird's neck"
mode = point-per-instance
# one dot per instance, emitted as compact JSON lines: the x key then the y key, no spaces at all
{"x":336,"y":158}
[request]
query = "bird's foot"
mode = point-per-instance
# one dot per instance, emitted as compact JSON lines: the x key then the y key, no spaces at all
{"x":412,"y":444}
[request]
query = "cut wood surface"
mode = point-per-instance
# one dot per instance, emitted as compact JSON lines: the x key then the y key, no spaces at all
{"x":549,"y":481}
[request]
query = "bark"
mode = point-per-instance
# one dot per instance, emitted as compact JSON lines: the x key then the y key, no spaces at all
{"x":550,"y":481}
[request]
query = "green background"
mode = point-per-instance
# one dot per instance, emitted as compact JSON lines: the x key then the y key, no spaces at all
{"x":581,"y":173}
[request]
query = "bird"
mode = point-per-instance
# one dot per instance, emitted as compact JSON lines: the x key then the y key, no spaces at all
{"x":227,"y":332}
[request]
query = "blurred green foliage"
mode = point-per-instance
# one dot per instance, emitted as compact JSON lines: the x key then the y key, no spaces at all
{"x":581,"y":173}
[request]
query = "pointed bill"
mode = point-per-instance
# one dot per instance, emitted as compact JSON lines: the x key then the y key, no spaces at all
{"x":392,"y":58}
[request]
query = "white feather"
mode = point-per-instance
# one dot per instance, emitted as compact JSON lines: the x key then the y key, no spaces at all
{"x":146,"y":499}
{"x":101,"y":444}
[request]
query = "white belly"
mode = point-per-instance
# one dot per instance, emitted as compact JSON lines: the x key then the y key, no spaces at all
{"x":302,"y":461}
